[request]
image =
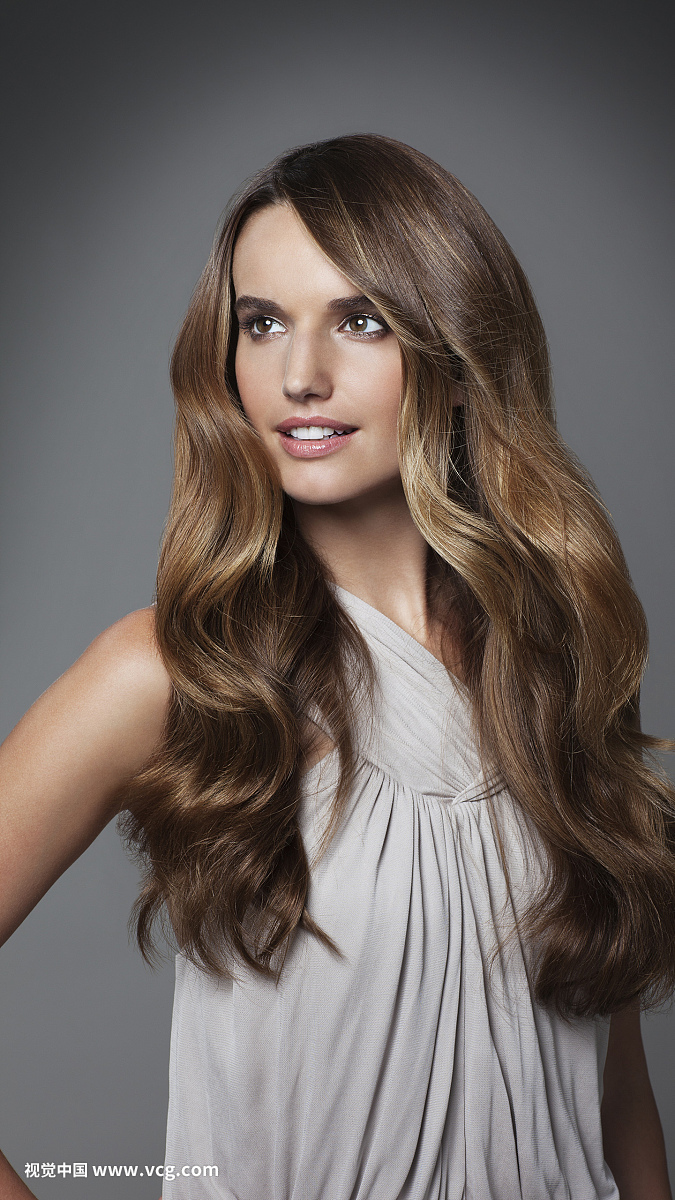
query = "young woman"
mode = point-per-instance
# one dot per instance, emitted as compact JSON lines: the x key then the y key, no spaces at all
{"x":378,"y":745}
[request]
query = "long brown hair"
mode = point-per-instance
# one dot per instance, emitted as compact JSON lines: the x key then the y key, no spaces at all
{"x":524,"y":563}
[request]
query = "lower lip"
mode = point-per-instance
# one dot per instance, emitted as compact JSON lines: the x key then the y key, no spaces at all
{"x":301,"y":448}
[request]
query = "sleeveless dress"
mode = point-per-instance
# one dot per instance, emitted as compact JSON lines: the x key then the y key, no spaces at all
{"x":417,"y":1066}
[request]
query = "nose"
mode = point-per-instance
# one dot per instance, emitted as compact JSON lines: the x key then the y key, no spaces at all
{"x":308,"y":372}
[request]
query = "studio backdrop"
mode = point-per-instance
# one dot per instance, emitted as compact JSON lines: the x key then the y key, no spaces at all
{"x":127,"y":126}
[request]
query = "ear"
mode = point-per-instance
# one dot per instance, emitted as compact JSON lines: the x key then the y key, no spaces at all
{"x":456,"y":397}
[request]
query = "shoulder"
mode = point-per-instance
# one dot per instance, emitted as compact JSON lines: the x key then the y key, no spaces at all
{"x":108,"y":709}
{"x":122,"y":674}
{"x":126,"y":656}
{"x":65,"y":767}
{"x":133,"y":634}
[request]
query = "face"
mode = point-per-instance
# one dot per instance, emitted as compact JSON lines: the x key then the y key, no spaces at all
{"x":318,"y":371}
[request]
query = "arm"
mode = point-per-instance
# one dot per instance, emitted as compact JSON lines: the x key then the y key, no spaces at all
{"x":631,"y":1130}
{"x":12,"y":1186}
{"x":64,"y":767}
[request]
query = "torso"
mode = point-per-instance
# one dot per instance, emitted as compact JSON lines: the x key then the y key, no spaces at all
{"x":417,"y":1066}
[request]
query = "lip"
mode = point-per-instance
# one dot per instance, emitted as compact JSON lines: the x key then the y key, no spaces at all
{"x":314,"y":449}
{"x":320,"y":447}
{"x":306,"y":422}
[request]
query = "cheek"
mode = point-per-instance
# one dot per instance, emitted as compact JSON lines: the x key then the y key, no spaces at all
{"x":240,"y":371}
{"x":248,"y":384}
{"x":386,"y":388}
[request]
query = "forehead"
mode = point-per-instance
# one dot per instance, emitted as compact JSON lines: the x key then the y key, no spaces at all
{"x":274,"y":252}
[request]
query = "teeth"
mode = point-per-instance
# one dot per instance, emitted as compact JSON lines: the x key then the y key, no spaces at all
{"x":314,"y":433}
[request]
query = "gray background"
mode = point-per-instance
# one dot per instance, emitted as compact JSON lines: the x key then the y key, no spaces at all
{"x":127,"y":126}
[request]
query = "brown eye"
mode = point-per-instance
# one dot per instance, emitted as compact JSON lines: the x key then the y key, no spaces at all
{"x":361,"y":323}
{"x":263,"y":325}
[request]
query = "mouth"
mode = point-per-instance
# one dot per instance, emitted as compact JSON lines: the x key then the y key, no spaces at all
{"x":313,"y":429}
{"x":313,"y":437}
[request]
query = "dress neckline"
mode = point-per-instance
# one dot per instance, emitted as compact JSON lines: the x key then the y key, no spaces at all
{"x":408,"y":646}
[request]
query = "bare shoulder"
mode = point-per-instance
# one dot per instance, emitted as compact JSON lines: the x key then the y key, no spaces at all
{"x":65,"y":767}
{"x":121,"y":673}
{"x":101,"y":719}
{"x":110,"y":705}
{"x":129,"y":648}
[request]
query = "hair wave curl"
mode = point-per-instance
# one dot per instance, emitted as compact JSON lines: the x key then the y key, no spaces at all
{"x":524,"y":566}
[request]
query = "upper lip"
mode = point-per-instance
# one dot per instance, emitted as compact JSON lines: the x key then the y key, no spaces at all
{"x":321,"y":422}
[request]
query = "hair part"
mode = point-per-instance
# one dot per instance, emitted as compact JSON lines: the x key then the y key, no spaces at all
{"x":525,"y":567}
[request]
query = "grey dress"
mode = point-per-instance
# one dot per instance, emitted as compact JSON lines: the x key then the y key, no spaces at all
{"x":418,"y":1066}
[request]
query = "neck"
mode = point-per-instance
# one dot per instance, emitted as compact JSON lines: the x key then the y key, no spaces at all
{"x":374,"y":550}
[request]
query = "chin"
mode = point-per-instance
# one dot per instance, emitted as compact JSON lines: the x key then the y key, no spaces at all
{"x":336,"y":487}
{"x":318,"y":496}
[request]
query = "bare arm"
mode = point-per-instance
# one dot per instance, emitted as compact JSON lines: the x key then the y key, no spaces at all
{"x":631,"y":1129}
{"x":12,"y":1186}
{"x":64,"y":767}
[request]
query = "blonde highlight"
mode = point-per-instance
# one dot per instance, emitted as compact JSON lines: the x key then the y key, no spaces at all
{"x":525,"y":569}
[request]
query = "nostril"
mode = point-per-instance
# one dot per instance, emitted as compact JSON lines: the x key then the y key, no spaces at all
{"x":306,"y":389}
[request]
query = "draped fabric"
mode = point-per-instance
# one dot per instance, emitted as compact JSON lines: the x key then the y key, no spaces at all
{"x":418,"y":1065}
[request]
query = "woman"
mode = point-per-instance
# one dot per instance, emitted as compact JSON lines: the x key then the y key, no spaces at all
{"x":378,"y":747}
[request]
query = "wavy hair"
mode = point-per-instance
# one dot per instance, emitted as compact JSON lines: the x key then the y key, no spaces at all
{"x":524,"y":566}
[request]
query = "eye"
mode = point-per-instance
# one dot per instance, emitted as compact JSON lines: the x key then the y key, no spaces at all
{"x":363,"y":323}
{"x":260,"y":327}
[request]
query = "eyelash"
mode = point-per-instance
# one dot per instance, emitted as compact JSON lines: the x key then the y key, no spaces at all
{"x":247,"y":323}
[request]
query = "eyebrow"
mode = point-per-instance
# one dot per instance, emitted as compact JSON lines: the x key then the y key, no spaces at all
{"x":340,"y":304}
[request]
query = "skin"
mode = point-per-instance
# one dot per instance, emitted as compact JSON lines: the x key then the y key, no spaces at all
{"x":350,"y":505}
{"x":64,"y":766}
{"x":631,"y":1129}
